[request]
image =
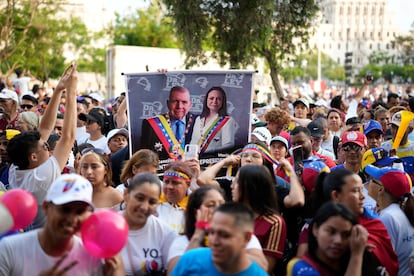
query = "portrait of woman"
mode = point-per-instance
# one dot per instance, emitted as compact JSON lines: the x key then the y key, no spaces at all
{"x":214,"y":130}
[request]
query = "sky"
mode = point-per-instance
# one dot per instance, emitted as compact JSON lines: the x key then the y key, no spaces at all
{"x":403,"y":9}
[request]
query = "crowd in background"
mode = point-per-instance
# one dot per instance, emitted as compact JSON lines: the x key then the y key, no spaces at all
{"x":326,"y":182}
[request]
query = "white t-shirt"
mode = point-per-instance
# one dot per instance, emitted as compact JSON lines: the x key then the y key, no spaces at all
{"x":179,"y":245}
{"x":352,"y":109}
{"x":81,"y":135}
{"x":173,"y":216}
{"x":22,"y":84}
{"x":22,"y":255}
{"x":101,"y":143}
{"x":328,"y":144}
{"x":148,"y":247}
{"x":37,"y":181}
{"x":401,"y":233}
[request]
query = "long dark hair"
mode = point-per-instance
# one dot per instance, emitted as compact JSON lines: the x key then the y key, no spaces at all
{"x":195,"y":200}
{"x":257,"y":189}
{"x":328,"y":210}
{"x":325,"y":184}
{"x":223,"y":109}
{"x":331,"y":209}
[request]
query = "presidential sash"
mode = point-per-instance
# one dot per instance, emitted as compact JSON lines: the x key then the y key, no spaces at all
{"x":164,"y":132}
{"x":211,"y":132}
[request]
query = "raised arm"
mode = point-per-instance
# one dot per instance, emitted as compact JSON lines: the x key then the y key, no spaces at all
{"x":296,"y":196}
{"x":65,"y":144}
{"x":358,"y":241}
{"x":121,"y":117}
{"x":49,"y":117}
{"x":207,"y":176}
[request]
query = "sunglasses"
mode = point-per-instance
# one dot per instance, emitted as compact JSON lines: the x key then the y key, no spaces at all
{"x":353,"y":147}
{"x":95,"y":150}
{"x":26,"y":106}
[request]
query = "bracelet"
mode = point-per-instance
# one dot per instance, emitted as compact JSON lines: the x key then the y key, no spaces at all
{"x":203,"y":225}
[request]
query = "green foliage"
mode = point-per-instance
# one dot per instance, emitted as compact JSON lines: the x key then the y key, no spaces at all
{"x":330,"y":69}
{"x":33,"y":35}
{"x":405,"y":48}
{"x":241,"y":30}
{"x":144,"y":28}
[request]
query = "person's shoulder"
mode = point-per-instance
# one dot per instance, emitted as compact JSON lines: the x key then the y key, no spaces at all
{"x":201,"y":251}
{"x":254,"y":269}
{"x":340,"y":166}
{"x":20,"y":238}
{"x":157,"y":222}
{"x":298,"y":266}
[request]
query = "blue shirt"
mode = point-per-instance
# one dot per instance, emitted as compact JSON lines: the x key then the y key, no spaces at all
{"x":199,"y":261}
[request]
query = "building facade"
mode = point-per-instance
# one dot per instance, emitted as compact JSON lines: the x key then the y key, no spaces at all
{"x":361,"y":27}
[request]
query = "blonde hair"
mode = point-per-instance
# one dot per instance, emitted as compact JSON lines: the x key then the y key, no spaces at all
{"x":140,"y":158}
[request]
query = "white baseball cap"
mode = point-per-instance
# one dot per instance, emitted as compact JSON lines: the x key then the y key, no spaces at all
{"x":69,"y":188}
{"x":8,"y":94}
{"x":117,"y":131}
{"x":263,"y":134}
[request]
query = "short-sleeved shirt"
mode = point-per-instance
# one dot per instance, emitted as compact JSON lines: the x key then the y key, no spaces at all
{"x":22,"y":255}
{"x":200,"y":262}
{"x":271,"y":232}
{"x":37,"y":181}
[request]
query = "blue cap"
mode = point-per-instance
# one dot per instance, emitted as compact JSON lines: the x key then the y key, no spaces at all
{"x":371,"y":125}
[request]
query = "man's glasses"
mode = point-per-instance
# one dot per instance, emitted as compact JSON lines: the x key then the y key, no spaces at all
{"x":353,"y":147}
{"x":95,"y":150}
{"x":58,"y":128}
{"x":26,"y":106}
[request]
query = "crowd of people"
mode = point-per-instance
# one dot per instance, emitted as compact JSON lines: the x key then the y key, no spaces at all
{"x":320,"y":188}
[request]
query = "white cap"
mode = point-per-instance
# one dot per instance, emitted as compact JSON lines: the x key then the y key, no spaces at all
{"x":263,"y":134}
{"x":117,"y":131}
{"x":9,"y":95}
{"x":69,"y":188}
{"x":396,"y":118}
{"x":96,"y":97}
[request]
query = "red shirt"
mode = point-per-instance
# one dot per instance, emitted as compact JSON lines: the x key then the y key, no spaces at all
{"x":271,"y":233}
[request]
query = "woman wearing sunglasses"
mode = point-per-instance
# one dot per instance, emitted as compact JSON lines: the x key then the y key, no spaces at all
{"x":94,"y":166}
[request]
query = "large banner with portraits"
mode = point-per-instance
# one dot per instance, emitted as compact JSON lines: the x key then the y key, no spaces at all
{"x":213,"y":108}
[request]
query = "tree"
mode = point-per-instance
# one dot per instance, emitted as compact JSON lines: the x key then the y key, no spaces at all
{"x":331,"y":70}
{"x":33,"y":34}
{"x":145,"y":27}
{"x":404,"y":44}
{"x":239,"y":31}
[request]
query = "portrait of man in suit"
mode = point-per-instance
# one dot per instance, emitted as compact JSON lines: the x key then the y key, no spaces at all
{"x":167,"y":134}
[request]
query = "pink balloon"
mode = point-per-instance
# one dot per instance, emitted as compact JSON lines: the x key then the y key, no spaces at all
{"x":104,"y":233}
{"x":22,"y":207}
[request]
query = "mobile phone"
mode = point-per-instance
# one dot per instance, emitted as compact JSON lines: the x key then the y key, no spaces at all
{"x":297,"y":158}
{"x":191,"y":152}
{"x":369,"y":76}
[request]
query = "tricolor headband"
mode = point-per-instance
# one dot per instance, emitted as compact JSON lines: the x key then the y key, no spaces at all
{"x":177,"y":175}
{"x":263,"y":151}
